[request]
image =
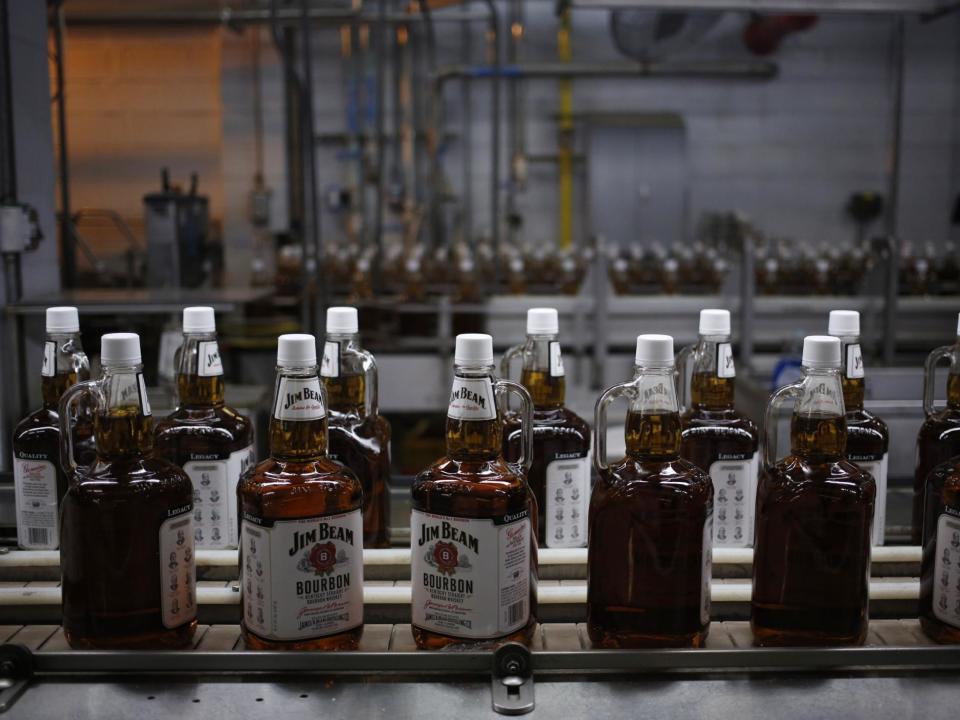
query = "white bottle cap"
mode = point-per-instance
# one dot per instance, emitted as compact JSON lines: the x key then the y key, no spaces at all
{"x":821,"y":351}
{"x":63,"y":320}
{"x":473,"y":349}
{"x":119,"y":350}
{"x":844,"y":323}
{"x":199,"y":320}
{"x":296,"y":350}
{"x":342,"y":321}
{"x":542,"y":321}
{"x":654,"y":351}
{"x":714,"y":322}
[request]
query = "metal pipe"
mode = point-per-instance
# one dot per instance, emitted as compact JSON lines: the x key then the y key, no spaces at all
{"x":496,"y":62}
{"x":893,"y":192}
{"x":381,"y":45}
{"x":736,"y":70}
{"x":311,"y":203}
{"x":68,"y":260}
{"x":748,"y":292}
{"x":466,"y":97}
{"x":514,"y":115}
{"x":8,"y":159}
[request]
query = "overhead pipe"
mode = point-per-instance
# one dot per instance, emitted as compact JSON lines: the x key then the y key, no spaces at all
{"x":705,"y":70}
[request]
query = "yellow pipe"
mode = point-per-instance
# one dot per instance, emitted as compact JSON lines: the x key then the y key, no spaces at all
{"x":565,"y":54}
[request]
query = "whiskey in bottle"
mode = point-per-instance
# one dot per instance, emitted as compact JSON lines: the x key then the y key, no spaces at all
{"x":301,"y":531}
{"x":39,"y":482}
{"x":211,"y":441}
{"x":939,"y":436}
{"x":868,"y":439}
{"x":559,"y":474}
{"x":651,"y":515}
{"x":473,"y":534}
{"x":811,"y":567}
{"x":359,"y":434}
{"x":716,"y":438}
{"x":940,"y":568}
{"x":126,"y":526}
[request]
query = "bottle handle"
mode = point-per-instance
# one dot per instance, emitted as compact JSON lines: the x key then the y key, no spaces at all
{"x":930,"y":376}
{"x":787,"y":392}
{"x":502,"y":388}
{"x":73,"y":395}
{"x":371,"y":375}
{"x":628,"y":389}
{"x":683,"y":384}
{"x":507,"y":358}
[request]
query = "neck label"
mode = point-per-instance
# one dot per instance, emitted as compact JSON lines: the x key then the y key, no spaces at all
{"x":725,"y":365}
{"x":299,"y":399}
{"x":822,"y":398}
{"x":472,"y":399}
{"x":556,"y":359}
{"x":208,"y":359}
{"x":330,"y":366}
{"x":657,"y":395}
{"x":129,"y":390}
{"x":49,"y":368}
{"x":854,"y":360}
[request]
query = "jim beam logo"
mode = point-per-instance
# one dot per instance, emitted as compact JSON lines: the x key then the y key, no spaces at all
{"x":854,"y":361}
{"x":443,"y":554}
{"x":299,"y":399}
{"x":658,"y":396}
{"x":725,"y":366}
{"x":472,"y":399}
{"x":209,"y":362}
{"x":824,"y":398}
{"x":318,"y":549}
{"x":131,"y":390}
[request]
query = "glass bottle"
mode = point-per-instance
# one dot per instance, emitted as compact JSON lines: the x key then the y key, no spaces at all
{"x":301,"y":530}
{"x":126,"y":526}
{"x":559,"y":474}
{"x":39,"y":481}
{"x":359,"y":434}
{"x":868,"y":439}
{"x":939,"y":436}
{"x":940,"y":568}
{"x":716,"y":438}
{"x":811,"y":565}
{"x":211,"y":441}
{"x":651,"y":515}
{"x":473,"y":526}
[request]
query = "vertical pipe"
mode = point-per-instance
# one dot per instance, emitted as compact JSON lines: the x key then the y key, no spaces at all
{"x":893,"y":191}
{"x":68,"y":260}
{"x":381,"y":49}
{"x":466,"y":97}
{"x":314,"y":260}
{"x":514,"y":115}
{"x":493,"y":40}
{"x":747,"y":294}
{"x":565,"y":54}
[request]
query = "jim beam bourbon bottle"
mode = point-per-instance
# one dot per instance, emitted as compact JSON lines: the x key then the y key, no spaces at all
{"x":211,"y":441}
{"x":359,"y":434}
{"x":560,"y":471}
{"x":716,"y":438}
{"x":939,"y":436}
{"x":868,"y":439}
{"x":473,"y":526}
{"x":301,"y":531}
{"x":940,"y":569}
{"x":39,"y":482}
{"x":811,"y":567}
{"x":651,"y":514}
{"x":126,"y":526}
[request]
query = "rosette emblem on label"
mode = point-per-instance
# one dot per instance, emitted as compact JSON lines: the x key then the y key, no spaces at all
{"x":445,"y":557}
{"x":322,"y":559}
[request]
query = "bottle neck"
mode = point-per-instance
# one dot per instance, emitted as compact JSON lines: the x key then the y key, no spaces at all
{"x":474,"y":427}
{"x":199,"y":372}
{"x":64,"y":365}
{"x":653,"y":420}
{"x":713,"y":384}
{"x":818,"y":428}
{"x":123,"y":425}
{"x":344,"y":375}
{"x":543,"y":374}
{"x":298,"y":425}
{"x":851,"y":362}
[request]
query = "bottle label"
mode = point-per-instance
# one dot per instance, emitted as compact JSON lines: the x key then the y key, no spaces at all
{"x":822,"y":398}
{"x":299,"y":399}
{"x":471,"y":577}
{"x":556,"y":359}
{"x":209,"y":363}
{"x":876,"y":466}
{"x":129,"y":389}
{"x":946,"y":577}
{"x":472,"y":399}
{"x":178,"y":592}
{"x":302,"y":579}
{"x":49,"y":368}
{"x":35,"y":491}
{"x":734,"y":498}
{"x":707,"y":569}
{"x":215,"y":498}
{"x":854,"y":360}
{"x":725,"y":364}
{"x":330,"y":366}
{"x":656,"y":395}
{"x":567,"y":501}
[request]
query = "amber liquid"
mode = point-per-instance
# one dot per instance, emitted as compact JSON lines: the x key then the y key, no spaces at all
{"x":811,"y":568}
{"x":711,"y":427}
{"x":937,"y":442}
{"x":110,"y":540}
{"x":645,"y":560}
{"x":362,"y":443}
{"x":943,"y":490}
{"x":867,"y":435}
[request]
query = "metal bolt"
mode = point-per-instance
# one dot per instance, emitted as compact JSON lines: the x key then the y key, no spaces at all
{"x":513,"y":666}
{"x":7,"y":667}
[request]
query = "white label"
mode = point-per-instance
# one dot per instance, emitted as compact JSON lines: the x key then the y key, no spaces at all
{"x":209,"y":363}
{"x":330,"y":365}
{"x":471,"y":577}
{"x":878,"y":468}
{"x":707,"y":570}
{"x":142,"y":390}
{"x":734,"y":499}
{"x":854,"y":361}
{"x":299,"y":399}
{"x":946,"y":574}
{"x":302,"y":579}
{"x":35,"y":490}
{"x":725,"y":365}
{"x":567,"y":500}
{"x":656,"y":395}
{"x":215,"y":498}
{"x":49,"y":368}
{"x":178,"y":591}
{"x":472,"y":399}
{"x":556,"y":359}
